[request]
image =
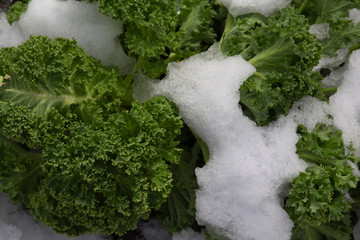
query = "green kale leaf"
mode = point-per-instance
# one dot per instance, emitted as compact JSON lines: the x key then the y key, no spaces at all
{"x":318,"y":200}
{"x":97,"y":160}
{"x":16,"y":10}
{"x":162,"y":31}
{"x":178,"y":212}
{"x":322,"y":146}
{"x":283,"y":52}
{"x":15,"y":179}
{"x":342,"y":31}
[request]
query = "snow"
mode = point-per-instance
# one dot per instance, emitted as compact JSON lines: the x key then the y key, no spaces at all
{"x":152,"y":229}
{"x":9,"y":35}
{"x":82,"y":21}
{"x":332,"y":62}
{"x":17,"y":224}
{"x":188,"y":234}
{"x":354,"y":14}
{"x":97,"y":35}
{"x":334,"y":78}
{"x":321,"y":30}
{"x":241,"y":183}
{"x":247,"y":176}
{"x":345,"y":104}
{"x":265,"y":7}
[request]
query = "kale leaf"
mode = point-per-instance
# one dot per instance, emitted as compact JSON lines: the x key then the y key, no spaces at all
{"x":318,"y":200}
{"x":283,"y":52}
{"x":97,"y":160}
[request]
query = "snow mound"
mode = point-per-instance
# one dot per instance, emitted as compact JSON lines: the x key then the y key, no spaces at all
{"x":10,"y":36}
{"x":242,"y":184}
{"x":152,"y":229}
{"x":321,"y":30}
{"x":332,"y":62}
{"x":354,"y":15}
{"x":188,"y":234}
{"x":265,"y":7}
{"x":345,"y":104}
{"x":17,"y":224}
{"x":82,"y":21}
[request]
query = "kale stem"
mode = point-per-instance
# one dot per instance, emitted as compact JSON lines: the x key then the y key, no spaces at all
{"x":128,"y":80}
{"x":318,"y":20}
{"x":329,"y":90}
{"x":354,"y":47}
{"x":302,"y":7}
{"x":138,"y":64}
{"x":259,"y":75}
{"x":130,"y":77}
{"x":203,"y":146}
{"x":172,"y":57}
{"x":279,"y":47}
{"x":228,"y":24}
{"x":204,"y":149}
{"x":309,"y":157}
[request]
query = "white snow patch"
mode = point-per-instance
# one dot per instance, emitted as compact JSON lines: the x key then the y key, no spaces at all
{"x":17,"y":224}
{"x":321,"y":30}
{"x":248,"y":173}
{"x":152,"y":229}
{"x":9,"y":232}
{"x":188,"y":234}
{"x":334,"y":78}
{"x":10,"y":36}
{"x":342,"y":54}
{"x":264,"y":7}
{"x":82,"y":21}
{"x":332,"y":62}
{"x":345,"y":104}
{"x":245,"y":175}
{"x":242,"y":185}
{"x":354,"y":14}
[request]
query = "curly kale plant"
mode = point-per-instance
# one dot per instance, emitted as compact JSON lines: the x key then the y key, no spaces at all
{"x":342,"y":31}
{"x":155,"y":32}
{"x":84,"y":157}
{"x":161,"y":31}
{"x":318,"y":202}
{"x":16,"y":10}
{"x":75,"y":148}
{"x":283,"y":52}
{"x":178,"y":212}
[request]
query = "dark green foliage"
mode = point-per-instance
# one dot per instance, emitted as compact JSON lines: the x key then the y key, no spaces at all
{"x":16,"y":10}
{"x":42,"y":74}
{"x":283,"y":52}
{"x":162,"y":31}
{"x":342,"y":31}
{"x":85,"y":158}
{"x":317,"y":196}
{"x":209,"y":237}
{"x":322,"y":146}
{"x":329,"y":231}
{"x":317,"y":201}
{"x":102,"y":164}
{"x":179,"y":210}
{"x":19,"y":169}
